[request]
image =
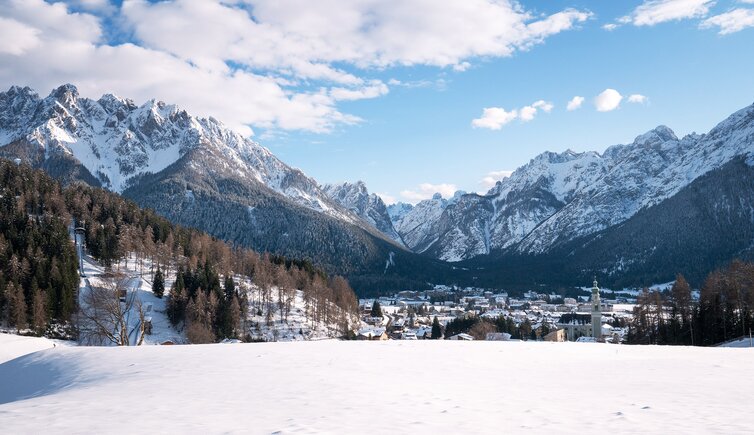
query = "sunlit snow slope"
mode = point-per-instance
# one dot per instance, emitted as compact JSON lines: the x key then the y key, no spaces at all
{"x":389,"y":387}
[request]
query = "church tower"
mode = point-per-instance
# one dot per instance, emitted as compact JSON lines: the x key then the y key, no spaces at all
{"x":596,"y":312}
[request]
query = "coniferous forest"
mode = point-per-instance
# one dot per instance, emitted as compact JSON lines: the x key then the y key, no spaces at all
{"x":722,"y":312}
{"x":39,"y":275}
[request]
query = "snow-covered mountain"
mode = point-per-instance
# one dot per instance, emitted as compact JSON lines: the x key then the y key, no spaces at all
{"x":556,"y":198}
{"x":118,"y":142}
{"x":418,"y":224}
{"x":369,"y":207}
{"x":199,"y":173}
{"x":194,"y":171}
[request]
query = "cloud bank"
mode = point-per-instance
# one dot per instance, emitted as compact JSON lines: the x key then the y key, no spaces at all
{"x":283,"y":64}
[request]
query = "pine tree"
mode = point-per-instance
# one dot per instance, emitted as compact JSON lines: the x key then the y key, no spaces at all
{"x":436,"y":330}
{"x":158,"y":285}
{"x":376,"y":309}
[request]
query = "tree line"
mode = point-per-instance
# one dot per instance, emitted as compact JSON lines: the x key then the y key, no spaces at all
{"x":722,"y":312}
{"x":478,"y":327}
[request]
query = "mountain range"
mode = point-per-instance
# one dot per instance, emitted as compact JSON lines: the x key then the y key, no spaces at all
{"x":550,"y":219}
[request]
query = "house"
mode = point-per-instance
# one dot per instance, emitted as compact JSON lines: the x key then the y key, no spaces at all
{"x":462,"y":336}
{"x":398,"y":325}
{"x":558,"y":335}
{"x":498,"y":336}
{"x":372,"y":334}
{"x":424,"y":332}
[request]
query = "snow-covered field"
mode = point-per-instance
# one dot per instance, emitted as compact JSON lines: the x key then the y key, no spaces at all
{"x":378,"y":387}
{"x":13,"y":346}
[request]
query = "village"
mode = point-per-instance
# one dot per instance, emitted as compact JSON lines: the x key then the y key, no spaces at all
{"x":494,"y":315}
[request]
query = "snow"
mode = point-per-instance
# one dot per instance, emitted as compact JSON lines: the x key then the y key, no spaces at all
{"x":13,"y":346}
{"x":136,"y":280}
{"x":557,"y":197}
{"x":422,"y":387}
{"x":118,"y":141}
{"x":741,"y":342}
{"x":366,"y":207}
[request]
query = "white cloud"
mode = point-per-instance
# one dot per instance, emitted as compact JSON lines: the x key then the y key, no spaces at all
{"x":637,"y":98}
{"x":575,"y":103}
{"x":527,"y":113}
{"x":280,"y":64}
{"x":494,"y":118}
{"x":653,"y":12}
{"x":732,"y":21}
{"x":374,"y":90}
{"x":608,"y":100}
{"x":460,"y":67}
{"x":428,"y":190}
{"x":493,"y":177}
{"x":546,"y":106}
{"x":610,"y":26}
{"x":16,"y":38}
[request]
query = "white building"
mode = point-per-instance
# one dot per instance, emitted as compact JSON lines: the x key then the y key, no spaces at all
{"x":596,"y":312}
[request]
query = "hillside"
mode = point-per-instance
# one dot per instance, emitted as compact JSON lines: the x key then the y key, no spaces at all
{"x":278,"y":387}
{"x":206,"y":286}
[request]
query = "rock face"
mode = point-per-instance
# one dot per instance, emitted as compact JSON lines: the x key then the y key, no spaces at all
{"x":557,"y":198}
{"x":369,"y":207}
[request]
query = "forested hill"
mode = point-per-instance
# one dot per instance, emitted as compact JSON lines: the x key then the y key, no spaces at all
{"x":38,"y":264}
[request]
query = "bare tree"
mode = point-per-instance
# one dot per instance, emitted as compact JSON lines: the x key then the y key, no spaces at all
{"x":111,"y":314}
{"x":39,"y":311}
{"x":17,"y":305}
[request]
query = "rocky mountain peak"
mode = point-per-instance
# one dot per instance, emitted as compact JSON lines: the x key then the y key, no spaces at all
{"x":66,"y":94}
{"x":656,"y":136}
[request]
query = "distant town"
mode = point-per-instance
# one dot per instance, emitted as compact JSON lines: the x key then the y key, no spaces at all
{"x":485,"y":314}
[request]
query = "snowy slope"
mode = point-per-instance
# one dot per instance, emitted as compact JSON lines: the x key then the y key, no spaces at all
{"x":137,"y":276}
{"x":378,"y":387}
{"x":13,"y":346}
{"x":417,"y":224}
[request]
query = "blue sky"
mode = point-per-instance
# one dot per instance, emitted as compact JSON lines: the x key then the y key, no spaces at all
{"x":386,"y":91}
{"x":693,"y":78}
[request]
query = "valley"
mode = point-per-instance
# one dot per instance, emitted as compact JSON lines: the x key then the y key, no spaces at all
{"x":554,"y":221}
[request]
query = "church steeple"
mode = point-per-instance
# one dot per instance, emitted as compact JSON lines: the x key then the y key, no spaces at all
{"x":596,"y":311}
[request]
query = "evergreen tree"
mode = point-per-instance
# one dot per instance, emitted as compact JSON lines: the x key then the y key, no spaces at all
{"x":376,"y":309}
{"x":158,"y":284}
{"x":436,"y":330}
